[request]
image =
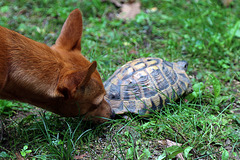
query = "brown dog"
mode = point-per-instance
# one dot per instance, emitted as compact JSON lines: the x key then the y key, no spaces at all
{"x":58,"y":78}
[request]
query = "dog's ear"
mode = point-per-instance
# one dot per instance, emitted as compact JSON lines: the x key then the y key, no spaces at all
{"x":68,"y":84}
{"x":71,"y":33}
{"x":88,"y":73}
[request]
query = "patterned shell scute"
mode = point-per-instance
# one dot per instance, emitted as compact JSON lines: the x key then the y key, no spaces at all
{"x":145,"y":84}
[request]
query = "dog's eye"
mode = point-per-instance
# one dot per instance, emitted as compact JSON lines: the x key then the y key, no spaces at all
{"x":93,"y":107}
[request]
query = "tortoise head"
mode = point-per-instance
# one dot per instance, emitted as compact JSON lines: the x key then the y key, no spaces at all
{"x":183,"y":65}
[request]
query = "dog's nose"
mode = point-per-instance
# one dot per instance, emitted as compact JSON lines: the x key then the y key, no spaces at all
{"x":112,"y":116}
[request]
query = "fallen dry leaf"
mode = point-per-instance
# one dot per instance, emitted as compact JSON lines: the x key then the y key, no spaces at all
{"x":133,"y":52}
{"x":129,"y":10}
{"x":18,"y":156}
{"x":80,"y":156}
{"x":116,"y":3}
{"x":119,"y":3}
{"x":226,"y":2}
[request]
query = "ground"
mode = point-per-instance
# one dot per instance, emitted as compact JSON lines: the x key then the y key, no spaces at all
{"x":206,"y":122}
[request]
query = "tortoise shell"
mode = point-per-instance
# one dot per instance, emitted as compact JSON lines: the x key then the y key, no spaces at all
{"x":146,"y":84}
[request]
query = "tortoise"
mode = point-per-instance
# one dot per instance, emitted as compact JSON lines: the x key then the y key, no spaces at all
{"x":146,"y":84}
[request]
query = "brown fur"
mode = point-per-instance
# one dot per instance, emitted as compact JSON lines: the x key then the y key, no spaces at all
{"x":58,"y":78}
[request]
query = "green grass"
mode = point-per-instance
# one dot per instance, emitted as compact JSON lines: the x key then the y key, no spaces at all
{"x":206,"y":122}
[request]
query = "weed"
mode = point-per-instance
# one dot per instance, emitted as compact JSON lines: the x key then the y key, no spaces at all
{"x":206,"y":122}
{"x":25,"y":151}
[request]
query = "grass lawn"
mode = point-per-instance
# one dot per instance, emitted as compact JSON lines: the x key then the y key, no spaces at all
{"x":206,"y":122}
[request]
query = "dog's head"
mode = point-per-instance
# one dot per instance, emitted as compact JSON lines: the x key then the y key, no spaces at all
{"x":79,"y":81}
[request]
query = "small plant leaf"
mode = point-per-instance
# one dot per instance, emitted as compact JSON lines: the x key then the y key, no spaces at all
{"x":187,"y":150}
{"x":221,"y":99}
{"x":25,"y":147}
{"x":194,"y":94}
{"x":23,"y":153}
{"x":162,"y":156}
{"x":173,"y":151}
{"x":234,"y":154}
{"x":28,"y":151}
{"x":129,"y":154}
{"x":4,"y":9}
{"x":197,"y":90}
{"x":190,"y":97}
{"x":141,"y":17}
{"x":237,"y":34}
{"x":216,"y":86}
{"x":225,"y":154}
{"x":146,"y":153}
{"x":3,"y":154}
{"x":198,"y":86}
